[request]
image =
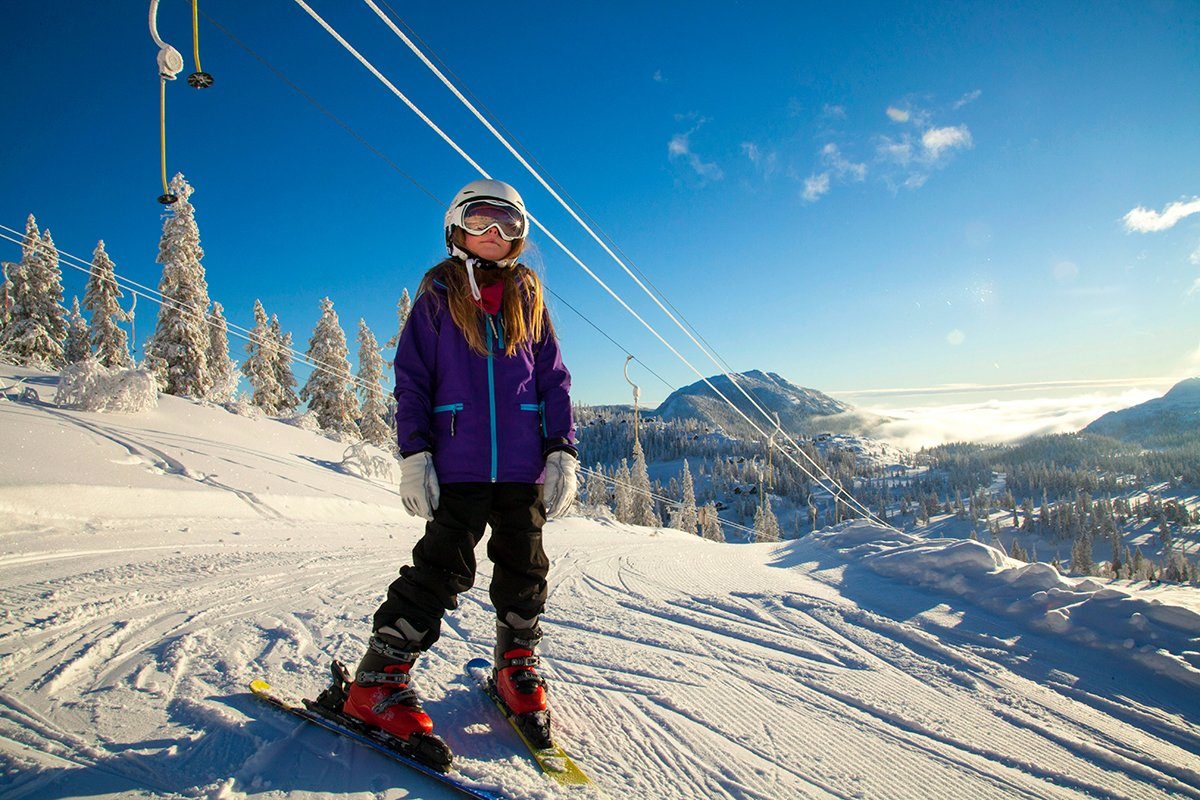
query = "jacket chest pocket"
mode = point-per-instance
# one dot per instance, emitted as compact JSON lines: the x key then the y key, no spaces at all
{"x":447,"y":414}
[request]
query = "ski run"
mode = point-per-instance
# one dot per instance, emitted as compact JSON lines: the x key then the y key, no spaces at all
{"x":153,"y":564}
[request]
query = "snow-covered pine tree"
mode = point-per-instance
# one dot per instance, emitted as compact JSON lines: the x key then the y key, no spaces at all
{"x":289,"y":401}
{"x":710,"y":524}
{"x":102,"y":299}
{"x":596,"y":488}
{"x":177,"y":353}
{"x":766,"y":525}
{"x":403,"y":309}
{"x":77,"y":347}
{"x":259,"y":365}
{"x":221,"y":366}
{"x":372,"y":424}
{"x":37,"y":322}
{"x":327,"y":390}
{"x":643,"y":503}
{"x":688,"y":513}
{"x":1081,"y":557}
{"x":623,"y":493}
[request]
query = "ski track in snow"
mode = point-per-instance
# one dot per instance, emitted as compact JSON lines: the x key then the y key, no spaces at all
{"x":678,"y":668}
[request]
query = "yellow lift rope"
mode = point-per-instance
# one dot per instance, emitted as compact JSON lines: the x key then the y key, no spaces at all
{"x":198,"y":79}
{"x":170,"y":64}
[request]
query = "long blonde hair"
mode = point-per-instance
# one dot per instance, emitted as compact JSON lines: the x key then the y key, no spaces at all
{"x":522,"y":305}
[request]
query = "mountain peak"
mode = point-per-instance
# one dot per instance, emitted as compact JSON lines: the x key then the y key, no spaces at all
{"x":800,"y":409}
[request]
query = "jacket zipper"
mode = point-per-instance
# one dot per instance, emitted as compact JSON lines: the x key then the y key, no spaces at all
{"x":492,"y":391}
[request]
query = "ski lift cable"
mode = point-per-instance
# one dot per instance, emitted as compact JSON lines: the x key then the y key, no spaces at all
{"x":138,"y":290}
{"x":155,"y":296}
{"x":604,"y":333}
{"x":851,"y":500}
{"x":486,"y":123}
{"x":454,"y":145}
{"x":379,"y":153}
{"x":557,"y":185}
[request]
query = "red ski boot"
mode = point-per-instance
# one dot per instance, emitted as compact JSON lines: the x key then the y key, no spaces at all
{"x":517,"y":684}
{"x":382,"y":697}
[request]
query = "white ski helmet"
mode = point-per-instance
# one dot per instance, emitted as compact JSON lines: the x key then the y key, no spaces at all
{"x":497,"y":191}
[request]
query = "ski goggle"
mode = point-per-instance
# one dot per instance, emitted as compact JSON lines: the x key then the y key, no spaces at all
{"x":477,"y":216}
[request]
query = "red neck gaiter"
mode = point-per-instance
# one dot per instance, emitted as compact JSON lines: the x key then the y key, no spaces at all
{"x":491,"y":297}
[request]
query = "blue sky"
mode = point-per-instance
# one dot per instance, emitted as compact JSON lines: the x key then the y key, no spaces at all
{"x":859,"y":198}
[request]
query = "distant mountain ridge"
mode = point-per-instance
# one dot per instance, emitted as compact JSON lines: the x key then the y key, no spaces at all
{"x":1172,"y":418}
{"x":800,"y":410}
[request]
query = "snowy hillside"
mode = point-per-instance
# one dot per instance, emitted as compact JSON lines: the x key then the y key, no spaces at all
{"x":799,"y":409}
{"x":151,"y":565}
{"x":1174,"y":415}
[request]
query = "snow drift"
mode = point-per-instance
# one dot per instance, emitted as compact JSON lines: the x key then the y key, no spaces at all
{"x":1163,"y":634}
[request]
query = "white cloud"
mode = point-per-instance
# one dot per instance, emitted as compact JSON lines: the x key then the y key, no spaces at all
{"x":765,"y":162}
{"x":833,"y":112}
{"x":841,"y":166}
{"x":1044,"y":387}
{"x":1066,"y":271}
{"x":937,"y":141}
{"x":956,"y":337}
{"x":1147,"y":220}
{"x":1195,"y":288}
{"x":898,"y":152}
{"x":1195,"y":256}
{"x":969,"y":97}
{"x":658,"y":76}
{"x":680,"y":148}
{"x":898,"y":114}
{"x":815,"y":186}
{"x":1002,"y":420}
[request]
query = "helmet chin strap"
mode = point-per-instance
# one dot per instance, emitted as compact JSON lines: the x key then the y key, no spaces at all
{"x":471,"y":263}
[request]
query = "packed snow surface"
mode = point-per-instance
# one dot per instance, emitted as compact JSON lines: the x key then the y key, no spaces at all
{"x":151,"y":565}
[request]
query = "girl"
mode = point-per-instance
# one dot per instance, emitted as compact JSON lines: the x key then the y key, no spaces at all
{"x":487,"y":437}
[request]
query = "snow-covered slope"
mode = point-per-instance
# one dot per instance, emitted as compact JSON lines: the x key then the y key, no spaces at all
{"x":1175,"y":415}
{"x":150,"y":566}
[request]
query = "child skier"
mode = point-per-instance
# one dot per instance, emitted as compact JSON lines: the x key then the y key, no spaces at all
{"x":487,"y":438}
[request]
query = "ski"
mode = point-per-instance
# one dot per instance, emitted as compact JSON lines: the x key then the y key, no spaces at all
{"x":376,"y":740}
{"x":553,"y":760}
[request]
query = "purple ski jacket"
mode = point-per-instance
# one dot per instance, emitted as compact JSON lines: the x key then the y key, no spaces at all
{"x":490,"y":418}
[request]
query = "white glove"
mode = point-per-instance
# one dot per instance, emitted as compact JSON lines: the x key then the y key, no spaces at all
{"x":561,"y":483}
{"x":419,"y":490}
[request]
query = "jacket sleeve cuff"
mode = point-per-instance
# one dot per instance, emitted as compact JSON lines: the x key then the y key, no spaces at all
{"x":551,"y":445}
{"x":407,"y":453}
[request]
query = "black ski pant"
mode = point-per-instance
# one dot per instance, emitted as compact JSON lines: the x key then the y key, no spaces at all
{"x":443,"y":562}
